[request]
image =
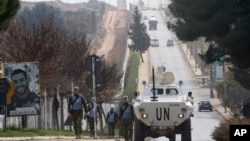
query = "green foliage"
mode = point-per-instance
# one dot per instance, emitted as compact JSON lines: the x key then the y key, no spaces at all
{"x":131,"y":75}
{"x":221,"y":133}
{"x":8,"y":10}
{"x":17,"y":132}
{"x":13,"y":127}
{"x":224,"y":24}
{"x":138,"y":33}
{"x":242,"y":76}
{"x":235,"y":93}
{"x":208,"y":18}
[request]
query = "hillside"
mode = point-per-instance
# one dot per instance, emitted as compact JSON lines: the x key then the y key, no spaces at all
{"x":110,"y":33}
{"x":58,"y":4}
{"x":114,"y":44}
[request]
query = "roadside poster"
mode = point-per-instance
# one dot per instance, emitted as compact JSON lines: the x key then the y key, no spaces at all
{"x":219,"y":72}
{"x":25,"y":78}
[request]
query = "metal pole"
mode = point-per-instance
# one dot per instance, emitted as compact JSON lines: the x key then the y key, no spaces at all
{"x":5,"y":117}
{"x":93,"y":77}
{"x":211,"y":82}
{"x":57,"y":120}
{"x":202,"y":62}
{"x":196,"y":54}
{"x":225,"y":87}
{"x":45,"y":110}
{"x":190,"y":49}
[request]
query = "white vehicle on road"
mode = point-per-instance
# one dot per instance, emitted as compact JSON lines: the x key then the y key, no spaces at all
{"x":163,"y":110}
{"x":154,"y":42}
{"x":152,"y":22}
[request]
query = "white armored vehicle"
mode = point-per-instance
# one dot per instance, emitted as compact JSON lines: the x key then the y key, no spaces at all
{"x":163,"y":110}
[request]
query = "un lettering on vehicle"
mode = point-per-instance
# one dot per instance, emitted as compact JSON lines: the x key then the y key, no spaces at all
{"x":162,"y":113}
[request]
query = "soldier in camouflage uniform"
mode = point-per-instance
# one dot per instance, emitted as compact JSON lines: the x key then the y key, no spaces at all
{"x":76,"y":105}
{"x":126,"y":117}
{"x":94,"y":113}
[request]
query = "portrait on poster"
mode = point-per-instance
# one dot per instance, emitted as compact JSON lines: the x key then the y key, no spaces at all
{"x":25,"y":78}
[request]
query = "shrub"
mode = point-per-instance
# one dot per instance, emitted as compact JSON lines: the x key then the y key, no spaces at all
{"x":221,"y":133}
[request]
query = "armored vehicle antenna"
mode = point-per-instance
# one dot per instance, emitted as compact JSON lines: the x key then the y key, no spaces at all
{"x":154,"y":98}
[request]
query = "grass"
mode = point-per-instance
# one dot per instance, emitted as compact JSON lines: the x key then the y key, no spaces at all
{"x":131,"y":76}
{"x":34,"y":132}
{"x":18,"y":132}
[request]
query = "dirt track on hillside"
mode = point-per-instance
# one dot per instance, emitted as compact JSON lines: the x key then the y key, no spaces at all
{"x":114,"y":44}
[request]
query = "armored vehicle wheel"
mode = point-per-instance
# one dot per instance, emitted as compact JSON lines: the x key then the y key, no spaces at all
{"x":139,"y":131}
{"x":186,"y":130}
{"x":172,"y":137}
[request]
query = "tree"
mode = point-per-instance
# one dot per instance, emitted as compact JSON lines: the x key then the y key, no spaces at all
{"x":8,"y":10}
{"x":224,"y":24}
{"x":61,"y":57}
{"x":111,"y":77}
{"x":241,"y":75}
{"x":138,"y":34}
{"x":111,"y":81}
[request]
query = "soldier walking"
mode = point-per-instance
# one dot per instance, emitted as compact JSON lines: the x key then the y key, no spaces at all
{"x":112,"y":117}
{"x":126,"y":118}
{"x":94,"y":113}
{"x":76,"y":105}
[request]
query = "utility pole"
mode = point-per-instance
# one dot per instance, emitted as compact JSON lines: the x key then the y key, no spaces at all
{"x":202,"y":62}
{"x":93,"y":90}
{"x":94,"y":80}
{"x":196,"y":56}
{"x":211,"y":82}
{"x":225,"y":87}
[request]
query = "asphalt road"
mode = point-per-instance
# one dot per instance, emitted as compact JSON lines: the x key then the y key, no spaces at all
{"x":203,"y":123}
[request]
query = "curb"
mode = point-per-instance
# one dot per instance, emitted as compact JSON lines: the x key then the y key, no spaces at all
{"x":221,"y":113}
{"x":220,"y":109}
{"x":86,"y":138}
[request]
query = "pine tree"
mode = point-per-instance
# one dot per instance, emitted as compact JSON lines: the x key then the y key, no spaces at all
{"x":8,"y":10}
{"x":138,"y":34}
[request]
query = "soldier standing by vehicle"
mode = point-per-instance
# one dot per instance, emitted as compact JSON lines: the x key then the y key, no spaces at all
{"x":112,"y":117}
{"x":126,"y":118}
{"x":76,"y":104}
{"x":94,"y":113}
{"x":180,"y":83}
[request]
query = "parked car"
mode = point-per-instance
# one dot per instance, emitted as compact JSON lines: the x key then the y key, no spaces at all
{"x":205,"y":105}
{"x":170,"y":43}
{"x":144,"y":8}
